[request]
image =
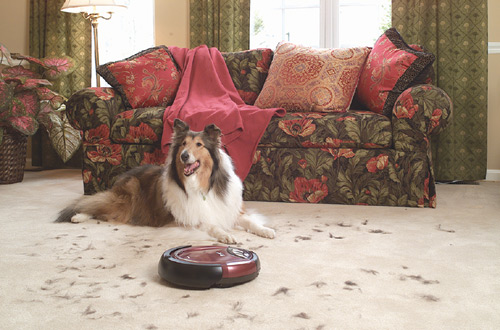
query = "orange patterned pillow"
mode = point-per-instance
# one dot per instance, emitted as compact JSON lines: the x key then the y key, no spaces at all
{"x":311,"y":79}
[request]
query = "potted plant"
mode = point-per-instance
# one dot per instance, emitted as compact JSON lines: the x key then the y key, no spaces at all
{"x":25,"y":102}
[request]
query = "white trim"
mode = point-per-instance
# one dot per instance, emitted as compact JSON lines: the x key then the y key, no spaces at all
{"x":492,"y":175}
{"x":493,"y":47}
{"x":329,"y":24}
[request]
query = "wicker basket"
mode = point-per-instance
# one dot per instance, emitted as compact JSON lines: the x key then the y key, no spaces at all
{"x":12,"y":156}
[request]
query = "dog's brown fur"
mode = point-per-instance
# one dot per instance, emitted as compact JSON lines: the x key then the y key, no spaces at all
{"x":135,"y":198}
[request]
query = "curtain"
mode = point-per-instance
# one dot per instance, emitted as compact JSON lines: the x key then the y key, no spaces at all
{"x":456,"y":31}
{"x":54,"y":33}
{"x":224,"y":24}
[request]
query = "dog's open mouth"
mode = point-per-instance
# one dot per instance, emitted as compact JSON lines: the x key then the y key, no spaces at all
{"x":191,"y":168}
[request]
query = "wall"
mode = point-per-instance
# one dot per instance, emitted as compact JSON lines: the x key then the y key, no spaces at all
{"x":172,"y":28}
{"x":172,"y":23}
{"x":14,"y":25}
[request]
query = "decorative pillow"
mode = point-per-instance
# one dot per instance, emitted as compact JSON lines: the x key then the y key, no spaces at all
{"x":428,"y":75}
{"x":310,"y":79}
{"x":249,"y":69}
{"x":147,"y":79}
{"x":391,"y":67}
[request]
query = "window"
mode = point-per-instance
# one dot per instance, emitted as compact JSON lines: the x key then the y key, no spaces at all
{"x":318,"y":23}
{"x":126,"y":33}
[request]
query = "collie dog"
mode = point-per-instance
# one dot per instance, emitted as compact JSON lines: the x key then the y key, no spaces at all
{"x":197,"y":187}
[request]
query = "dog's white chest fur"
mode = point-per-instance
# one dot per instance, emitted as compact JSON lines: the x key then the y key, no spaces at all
{"x":195,"y":208}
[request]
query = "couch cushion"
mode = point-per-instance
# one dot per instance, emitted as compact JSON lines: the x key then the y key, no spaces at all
{"x":391,"y":67}
{"x":308,"y":79}
{"x":147,"y":79}
{"x":248,"y":70}
{"x":352,"y":129}
{"x":138,"y":126}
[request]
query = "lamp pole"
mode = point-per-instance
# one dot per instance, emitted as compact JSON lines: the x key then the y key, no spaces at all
{"x":93,"y":17}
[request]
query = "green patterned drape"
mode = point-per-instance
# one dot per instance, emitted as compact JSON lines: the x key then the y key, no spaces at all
{"x":224,"y":24}
{"x":54,"y":33}
{"x":456,"y":31}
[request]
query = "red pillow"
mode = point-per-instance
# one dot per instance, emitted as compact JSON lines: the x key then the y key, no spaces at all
{"x":391,"y":67}
{"x":147,"y":79}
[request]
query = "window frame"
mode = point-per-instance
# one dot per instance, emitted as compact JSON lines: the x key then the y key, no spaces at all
{"x":329,"y":34}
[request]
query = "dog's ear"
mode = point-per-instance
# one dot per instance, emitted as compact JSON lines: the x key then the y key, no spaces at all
{"x":180,"y":126}
{"x":212,"y":131}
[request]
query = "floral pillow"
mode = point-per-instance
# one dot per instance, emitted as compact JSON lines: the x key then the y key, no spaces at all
{"x":310,"y":79}
{"x":428,"y":75}
{"x":391,"y":67}
{"x":147,"y":79}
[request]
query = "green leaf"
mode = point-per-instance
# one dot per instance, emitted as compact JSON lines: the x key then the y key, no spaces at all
{"x":4,"y":52}
{"x":392,"y":173}
{"x":63,"y":137}
{"x":352,"y":128}
{"x":403,"y":200}
{"x":6,"y":96}
{"x":275,"y":193}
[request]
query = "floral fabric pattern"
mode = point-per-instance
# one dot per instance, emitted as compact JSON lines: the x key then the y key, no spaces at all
{"x":415,"y":120}
{"x":340,"y":176}
{"x":147,"y":79}
{"x":139,"y":126}
{"x":308,"y":79}
{"x":391,"y":67}
{"x":352,"y":129}
{"x":248,"y":70}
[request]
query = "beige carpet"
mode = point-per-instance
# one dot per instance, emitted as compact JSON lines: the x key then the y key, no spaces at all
{"x":330,"y":267}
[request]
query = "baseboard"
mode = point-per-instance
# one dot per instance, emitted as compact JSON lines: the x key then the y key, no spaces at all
{"x":493,"y":175}
{"x":29,"y":165}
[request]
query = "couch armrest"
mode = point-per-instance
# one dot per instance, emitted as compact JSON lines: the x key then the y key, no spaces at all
{"x":90,"y":108}
{"x":419,"y":112}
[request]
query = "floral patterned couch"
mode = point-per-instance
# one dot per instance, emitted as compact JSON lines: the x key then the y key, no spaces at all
{"x":356,"y":156}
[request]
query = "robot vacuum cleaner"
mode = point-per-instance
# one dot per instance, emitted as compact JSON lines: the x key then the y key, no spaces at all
{"x":203,"y":267}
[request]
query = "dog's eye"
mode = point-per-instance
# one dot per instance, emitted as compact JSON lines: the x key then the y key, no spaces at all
{"x":198,"y":144}
{"x":184,"y":143}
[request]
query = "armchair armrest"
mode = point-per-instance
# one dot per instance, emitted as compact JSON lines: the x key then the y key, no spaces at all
{"x":90,"y":108}
{"x":419,"y":112}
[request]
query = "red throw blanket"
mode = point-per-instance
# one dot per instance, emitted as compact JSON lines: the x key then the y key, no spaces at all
{"x":207,"y":95}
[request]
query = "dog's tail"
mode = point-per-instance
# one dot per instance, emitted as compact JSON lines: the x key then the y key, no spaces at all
{"x":66,"y":214}
{"x":96,"y":206}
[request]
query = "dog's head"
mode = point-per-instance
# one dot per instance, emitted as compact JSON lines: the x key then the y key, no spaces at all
{"x":195,"y":152}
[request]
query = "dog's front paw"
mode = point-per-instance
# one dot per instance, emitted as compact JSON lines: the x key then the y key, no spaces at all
{"x":220,"y":234}
{"x":226,"y":238}
{"x":267,"y":232}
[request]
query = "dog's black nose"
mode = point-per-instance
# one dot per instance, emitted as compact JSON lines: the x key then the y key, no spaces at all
{"x":184,"y":156}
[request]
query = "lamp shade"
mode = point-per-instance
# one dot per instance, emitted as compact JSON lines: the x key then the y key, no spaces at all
{"x":94,"y":6}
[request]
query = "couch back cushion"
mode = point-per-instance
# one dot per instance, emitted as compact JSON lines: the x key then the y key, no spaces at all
{"x":310,"y":79}
{"x":248,"y":70}
{"x":392,"y":67}
{"x":149,"y":78}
